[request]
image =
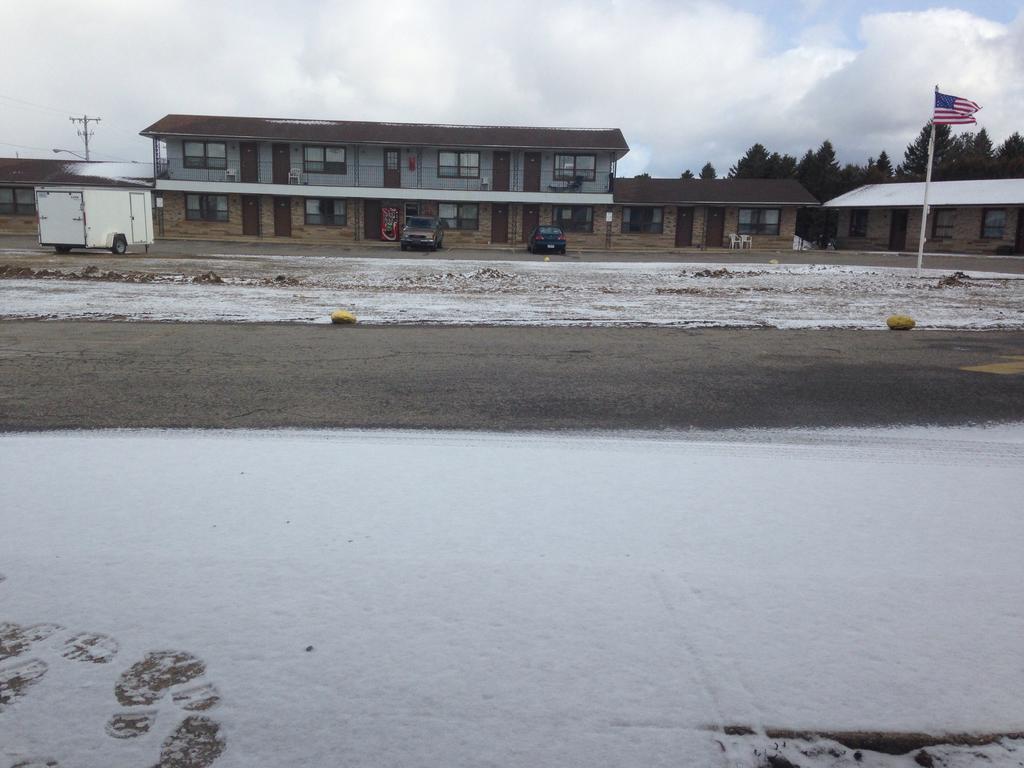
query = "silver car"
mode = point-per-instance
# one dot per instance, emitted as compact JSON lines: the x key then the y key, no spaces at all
{"x":422,"y":232}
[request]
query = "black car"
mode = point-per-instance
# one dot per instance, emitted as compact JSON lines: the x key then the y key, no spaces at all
{"x":546,"y":238}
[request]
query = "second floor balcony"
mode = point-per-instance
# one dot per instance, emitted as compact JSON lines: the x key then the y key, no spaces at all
{"x":420,"y":176}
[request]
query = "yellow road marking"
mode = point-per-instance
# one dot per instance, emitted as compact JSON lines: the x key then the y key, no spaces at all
{"x":1016,"y":365}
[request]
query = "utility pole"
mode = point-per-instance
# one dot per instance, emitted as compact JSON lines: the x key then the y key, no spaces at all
{"x":85,"y":133}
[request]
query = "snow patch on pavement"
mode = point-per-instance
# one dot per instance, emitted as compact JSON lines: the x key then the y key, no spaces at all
{"x":432,"y":291}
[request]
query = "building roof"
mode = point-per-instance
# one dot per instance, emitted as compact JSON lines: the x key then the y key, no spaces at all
{"x":353,"y":132}
{"x":45,"y":172}
{"x":713,"y":191}
{"x":911,"y":194}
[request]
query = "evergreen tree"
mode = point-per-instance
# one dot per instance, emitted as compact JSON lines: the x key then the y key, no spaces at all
{"x":644,"y":175}
{"x":1010,"y":157}
{"x":983,"y":145}
{"x":687,"y":174}
{"x":708,"y":171}
{"x":883,"y":166}
{"x":752,"y":165}
{"x":915,"y":159}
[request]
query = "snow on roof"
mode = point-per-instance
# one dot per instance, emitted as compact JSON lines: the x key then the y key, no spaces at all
{"x":112,"y":171}
{"x":910,"y":194}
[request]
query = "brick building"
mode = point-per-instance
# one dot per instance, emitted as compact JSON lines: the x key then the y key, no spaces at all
{"x":965,"y":217}
{"x":343,"y":181}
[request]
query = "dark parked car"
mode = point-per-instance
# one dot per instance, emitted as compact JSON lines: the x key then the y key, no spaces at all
{"x":422,"y":232}
{"x":546,"y":239}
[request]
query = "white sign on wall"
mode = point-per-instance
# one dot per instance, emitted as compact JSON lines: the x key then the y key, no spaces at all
{"x":608,"y":216}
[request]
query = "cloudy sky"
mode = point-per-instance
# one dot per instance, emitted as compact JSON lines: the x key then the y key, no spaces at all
{"x":685,"y":81}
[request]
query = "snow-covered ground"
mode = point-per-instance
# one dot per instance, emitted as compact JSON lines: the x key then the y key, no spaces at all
{"x":396,"y":599}
{"x":529,"y":293}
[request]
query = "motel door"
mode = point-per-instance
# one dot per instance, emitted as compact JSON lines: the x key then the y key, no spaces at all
{"x":715,"y":227}
{"x":501,"y":165}
{"x":898,"y":231}
{"x":531,"y":172}
{"x":1018,"y":245}
{"x":684,"y":227}
{"x":499,"y":222}
{"x":250,"y":215}
{"x":250,"y":162}
{"x":531,"y":218}
{"x":392,"y":169}
{"x":283,"y":216}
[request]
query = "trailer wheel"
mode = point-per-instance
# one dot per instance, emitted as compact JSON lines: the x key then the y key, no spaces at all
{"x":62,"y":248}
{"x":120,"y":245}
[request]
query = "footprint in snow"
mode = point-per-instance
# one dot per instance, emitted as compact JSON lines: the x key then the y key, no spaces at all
{"x":197,"y":740}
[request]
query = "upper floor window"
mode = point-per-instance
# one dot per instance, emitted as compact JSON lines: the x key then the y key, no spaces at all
{"x":323,"y":159}
{"x":573,"y":218}
{"x":206,"y":154}
{"x":458,"y":165}
{"x":573,"y":167}
{"x":19,"y":201}
{"x":993,"y":223}
{"x":759,"y":221}
{"x":636,"y":219}
{"x":859,"y":222}
{"x":206,"y":207}
{"x":942,"y":223}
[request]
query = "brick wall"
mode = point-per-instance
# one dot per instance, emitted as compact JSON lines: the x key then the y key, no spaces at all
{"x":18,"y":225}
{"x":966,"y":237}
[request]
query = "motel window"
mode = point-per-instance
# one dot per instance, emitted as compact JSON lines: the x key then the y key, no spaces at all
{"x":759,"y":221}
{"x":206,"y":207}
{"x":859,"y":223}
{"x":573,"y":218}
{"x":327,"y":211}
{"x":459,"y":215}
{"x":575,"y":167}
{"x":647,"y":220}
{"x":458,"y":165}
{"x":323,"y":159}
{"x":942,"y":223}
{"x":993,"y":223}
{"x":18,"y":201}
{"x":206,"y":154}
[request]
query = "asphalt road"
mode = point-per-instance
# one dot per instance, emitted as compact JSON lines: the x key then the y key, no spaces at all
{"x":85,"y":375}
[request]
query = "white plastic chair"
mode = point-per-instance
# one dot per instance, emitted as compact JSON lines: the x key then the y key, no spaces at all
{"x":735,"y":241}
{"x":746,"y":241}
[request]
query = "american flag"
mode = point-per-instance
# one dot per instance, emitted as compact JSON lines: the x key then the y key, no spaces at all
{"x":952,"y":110}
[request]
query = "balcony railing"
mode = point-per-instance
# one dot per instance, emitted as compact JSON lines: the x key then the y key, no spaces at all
{"x":423,"y":176}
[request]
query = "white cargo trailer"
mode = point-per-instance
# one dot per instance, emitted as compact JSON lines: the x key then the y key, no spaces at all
{"x":81,"y":217}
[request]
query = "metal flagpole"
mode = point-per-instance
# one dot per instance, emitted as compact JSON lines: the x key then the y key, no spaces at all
{"x":927,"y":182}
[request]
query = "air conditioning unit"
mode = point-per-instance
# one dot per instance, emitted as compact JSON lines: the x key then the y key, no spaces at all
{"x":485,"y":183}
{"x":231,"y":174}
{"x":295,"y":176}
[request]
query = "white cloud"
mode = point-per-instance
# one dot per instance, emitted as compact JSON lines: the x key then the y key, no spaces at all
{"x":686,"y":81}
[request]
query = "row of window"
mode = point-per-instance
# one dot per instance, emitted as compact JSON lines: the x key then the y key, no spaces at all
{"x":212,"y":155}
{"x":330,"y":212}
{"x":993,"y":223}
{"x":19,"y":201}
{"x":571,"y":218}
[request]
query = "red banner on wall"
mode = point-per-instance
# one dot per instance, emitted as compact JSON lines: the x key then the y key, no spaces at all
{"x":389,"y":218}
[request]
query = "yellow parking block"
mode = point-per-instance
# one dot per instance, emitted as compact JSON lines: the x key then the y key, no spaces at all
{"x":1016,"y":365}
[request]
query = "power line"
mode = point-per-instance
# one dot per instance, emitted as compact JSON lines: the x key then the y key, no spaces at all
{"x":49,"y":149}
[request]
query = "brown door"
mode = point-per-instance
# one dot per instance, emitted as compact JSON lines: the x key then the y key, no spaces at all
{"x":499,"y":222}
{"x":684,"y":227}
{"x":250,"y":162}
{"x":531,"y":218}
{"x":531,"y":172}
{"x":1018,"y":244}
{"x":500,"y":180}
{"x":371,"y":220}
{"x":250,"y":215}
{"x":392,"y":170}
{"x":283,"y":216}
{"x":282,"y":163}
{"x":715,"y":227}
{"x":898,"y":231}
